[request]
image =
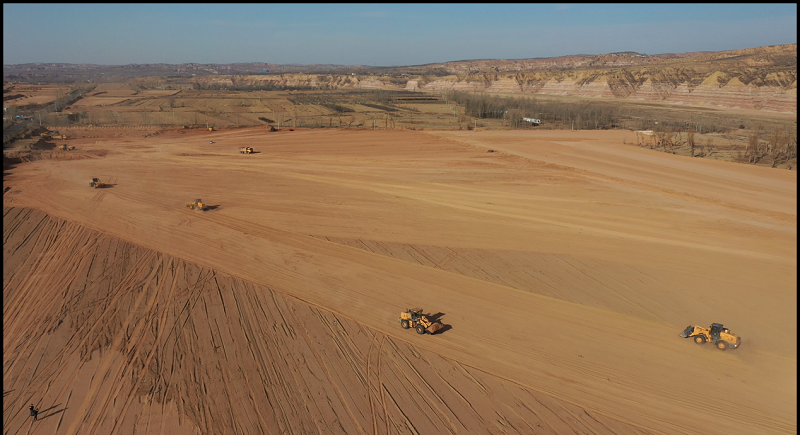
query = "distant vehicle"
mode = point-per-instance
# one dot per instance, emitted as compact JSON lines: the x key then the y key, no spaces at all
{"x":197,"y":204}
{"x":718,"y":334}
{"x":413,"y":318}
{"x":211,"y":141}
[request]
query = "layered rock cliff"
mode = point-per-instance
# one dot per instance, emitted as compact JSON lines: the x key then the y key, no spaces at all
{"x":763,"y":78}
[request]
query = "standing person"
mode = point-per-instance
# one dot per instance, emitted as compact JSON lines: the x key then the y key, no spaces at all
{"x":34,"y":413}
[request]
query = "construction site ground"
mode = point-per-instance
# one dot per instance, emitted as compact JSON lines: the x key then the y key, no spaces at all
{"x":563,"y":264}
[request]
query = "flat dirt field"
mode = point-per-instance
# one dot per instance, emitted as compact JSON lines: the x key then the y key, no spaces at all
{"x":563,"y":264}
{"x":34,"y":94}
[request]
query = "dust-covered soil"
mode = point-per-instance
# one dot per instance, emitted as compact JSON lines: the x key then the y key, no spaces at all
{"x":563,"y":264}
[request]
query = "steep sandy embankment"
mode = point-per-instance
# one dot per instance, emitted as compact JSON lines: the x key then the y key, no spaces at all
{"x":109,"y":337}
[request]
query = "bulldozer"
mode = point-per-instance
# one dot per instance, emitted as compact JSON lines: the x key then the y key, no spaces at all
{"x":413,"y":318}
{"x":246,"y":150}
{"x":721,"y":336}
{"x":96,"y":183}
{"x":197,"y":204}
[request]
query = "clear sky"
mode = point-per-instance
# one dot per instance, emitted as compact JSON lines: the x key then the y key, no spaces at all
{"x":378,"y":34}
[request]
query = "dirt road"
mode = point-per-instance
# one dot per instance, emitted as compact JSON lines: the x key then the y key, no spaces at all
{"x":564,"y":264}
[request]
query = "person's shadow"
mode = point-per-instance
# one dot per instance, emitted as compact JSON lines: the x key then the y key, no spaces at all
{"x":43,"y":414}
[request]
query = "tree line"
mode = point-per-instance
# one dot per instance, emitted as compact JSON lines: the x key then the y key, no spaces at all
{"x":581,"y":115}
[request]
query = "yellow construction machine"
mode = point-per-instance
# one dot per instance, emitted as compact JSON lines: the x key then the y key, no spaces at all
{"x":197,"y":204}
{"x":721,"y":336}
{"x":245,"y":150}
{"x":413,"y":318}
{"x":96,"y":183}
{"x":63,"y":147}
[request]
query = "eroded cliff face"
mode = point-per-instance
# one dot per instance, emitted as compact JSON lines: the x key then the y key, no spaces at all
{"x":775,"y":92}
{"x":762,"y":78}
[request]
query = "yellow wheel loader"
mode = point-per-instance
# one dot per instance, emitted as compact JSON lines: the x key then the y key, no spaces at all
{"x":721,"y":336}
{"x":197,"y":204}
{"x":96,"y":183}
{"x":413,"y":318}
{"x":246,"y":150}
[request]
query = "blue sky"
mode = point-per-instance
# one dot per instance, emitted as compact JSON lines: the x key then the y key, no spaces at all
{"x":378,"y":34}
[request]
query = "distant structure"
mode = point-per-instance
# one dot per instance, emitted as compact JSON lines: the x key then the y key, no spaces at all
{"x":264,"y":71}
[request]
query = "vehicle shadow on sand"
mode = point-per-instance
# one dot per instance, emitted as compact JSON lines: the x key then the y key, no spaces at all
{"x":437,"y":318}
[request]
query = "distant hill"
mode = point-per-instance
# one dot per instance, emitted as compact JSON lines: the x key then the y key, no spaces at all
{"x":762,"y":78}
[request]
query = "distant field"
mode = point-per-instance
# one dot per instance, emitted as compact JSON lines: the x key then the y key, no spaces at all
{"x":721,"y":134}
{"x":33,"y":94}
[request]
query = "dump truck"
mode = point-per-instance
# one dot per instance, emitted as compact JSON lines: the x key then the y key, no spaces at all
{"x":246,"y":150}
{"x":197,"y":204}
{"x":413,"y":318}
{"x":60,"y":136}
{"x":721,"y":336}
{"x":63,"y":147}
{"x":96,"y":183}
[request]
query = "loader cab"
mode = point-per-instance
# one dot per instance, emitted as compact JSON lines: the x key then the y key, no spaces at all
{"x":415,"y":313}
{"x":716,"y":329}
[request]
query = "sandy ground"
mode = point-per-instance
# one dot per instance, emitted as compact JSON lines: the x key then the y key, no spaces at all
{"x":564,"y":264}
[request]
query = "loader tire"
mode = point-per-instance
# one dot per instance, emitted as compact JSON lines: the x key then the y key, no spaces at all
{"x":699,"y":339}
{"x":420,"y":329}
{"x":404,"y":324}
{"x":722,"y":345}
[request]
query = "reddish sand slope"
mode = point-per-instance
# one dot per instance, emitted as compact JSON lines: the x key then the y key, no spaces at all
{"x":565,"y":264}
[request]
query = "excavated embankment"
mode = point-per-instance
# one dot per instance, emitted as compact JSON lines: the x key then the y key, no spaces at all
{"x":105,"y":336}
